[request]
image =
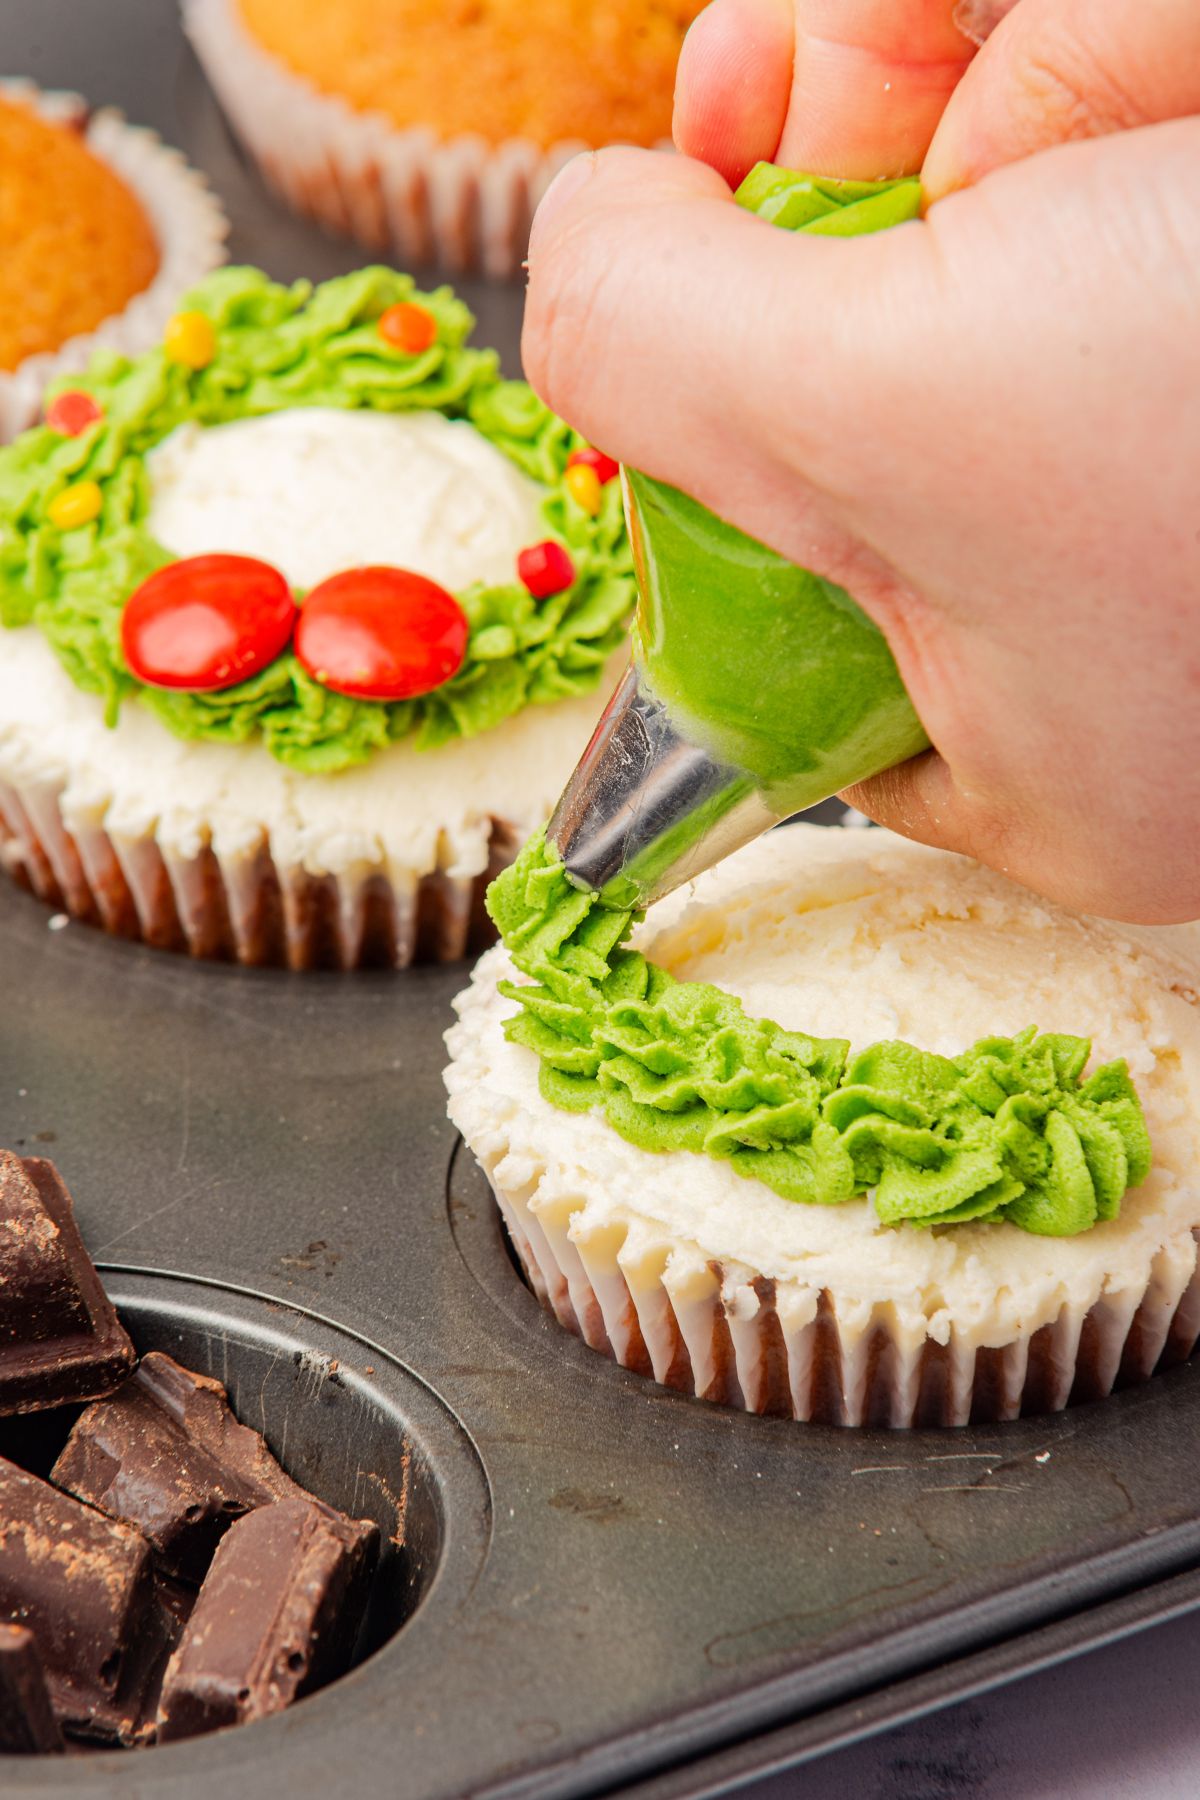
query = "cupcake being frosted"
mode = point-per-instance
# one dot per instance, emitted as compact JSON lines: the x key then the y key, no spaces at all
{"x":854,"y":1131}
{"x":304,"y":618}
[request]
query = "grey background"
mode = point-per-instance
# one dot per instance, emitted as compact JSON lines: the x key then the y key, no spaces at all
{"x":1115,"y":1722}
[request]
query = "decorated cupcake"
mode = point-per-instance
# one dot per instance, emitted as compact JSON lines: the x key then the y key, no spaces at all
{"x":305,"y":616}
{"x":825,"y":1138}
{"x":430,"y":132}
{"x":101,"y":230}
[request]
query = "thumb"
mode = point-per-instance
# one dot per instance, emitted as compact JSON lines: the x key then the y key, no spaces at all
{"x":921,"y":799}
{"x":687,"y":338}
{"x":1056,"y":70}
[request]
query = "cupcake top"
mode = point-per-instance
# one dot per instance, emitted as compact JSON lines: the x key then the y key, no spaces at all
{"x":457,"y":554}
{"x":546,"y":70}
{"x":860,"y":936}
{"x":1004,"y":1129}
{"x":75,"y":243}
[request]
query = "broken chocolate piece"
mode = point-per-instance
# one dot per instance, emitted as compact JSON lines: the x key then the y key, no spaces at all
{"x":278,"y":1615}
{"x":82,"y":1584}
{"x":60,"y":1338}
{"x":166,"y":1454}
{"x":27,"y":1723}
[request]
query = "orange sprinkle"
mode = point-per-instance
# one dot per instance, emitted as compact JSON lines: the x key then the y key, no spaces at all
{"x":409,"y":328}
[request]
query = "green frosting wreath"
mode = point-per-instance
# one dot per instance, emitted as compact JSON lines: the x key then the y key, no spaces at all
{"x":1007,"y":1131}
{"x":280,"y":347}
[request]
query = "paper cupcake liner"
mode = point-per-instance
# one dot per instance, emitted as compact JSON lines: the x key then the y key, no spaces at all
{"x":188,"y":222}
{"x":246,"y":907}
{"x":724,"y":1334}
{"x":460,"y":202}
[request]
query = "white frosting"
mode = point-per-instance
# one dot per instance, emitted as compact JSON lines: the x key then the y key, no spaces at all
{"x":859,"y":934}
{"x":405,"y":811}
{"x":316,"y":490}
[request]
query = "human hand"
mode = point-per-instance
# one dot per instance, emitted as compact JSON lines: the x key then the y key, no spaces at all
{"x":979,"y":424}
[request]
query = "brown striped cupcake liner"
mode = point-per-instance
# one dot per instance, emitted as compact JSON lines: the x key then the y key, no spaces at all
{"x":247,"y":906}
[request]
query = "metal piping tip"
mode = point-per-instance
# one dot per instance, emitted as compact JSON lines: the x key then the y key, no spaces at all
{"x":646,"y":809}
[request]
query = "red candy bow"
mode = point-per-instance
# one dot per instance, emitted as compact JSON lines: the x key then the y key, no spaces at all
{"x":208,"y":622}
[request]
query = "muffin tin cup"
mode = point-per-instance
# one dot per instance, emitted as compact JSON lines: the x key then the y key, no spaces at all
{"x":243,"y":906}
{"x":188,"y":222}
{"x":355,"y":1429}
{"x":459,"y":202}
{"x":723,"y":1333}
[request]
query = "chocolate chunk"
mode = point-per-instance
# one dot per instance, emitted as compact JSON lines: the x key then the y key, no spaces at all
{"x":27,"y":1723}
{"x":59,"y":1335}
{"x":166,"y":1454}
{"x":82,"y":1584}
{"x":278,"y":1615}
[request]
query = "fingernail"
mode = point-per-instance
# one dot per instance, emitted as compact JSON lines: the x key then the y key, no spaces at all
{"x":566,"y":184}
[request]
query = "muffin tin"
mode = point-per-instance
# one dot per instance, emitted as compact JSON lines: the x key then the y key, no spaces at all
{"x":600,"y":1579}
{"x":602,"y":1585}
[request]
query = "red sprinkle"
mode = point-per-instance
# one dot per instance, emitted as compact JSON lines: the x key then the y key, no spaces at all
{"x":545,"y":569}
{"x":72,"y":412}
{"x":606,"y":469}
{"x":407,"y":327}
{"x":381,"y":634}
{"x":207,"y":622}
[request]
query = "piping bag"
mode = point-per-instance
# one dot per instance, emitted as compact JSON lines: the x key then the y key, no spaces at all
{"x":756,"y":688}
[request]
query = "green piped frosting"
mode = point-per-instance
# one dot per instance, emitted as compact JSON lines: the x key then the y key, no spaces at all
{"x":1007,"y":1131}
{"x":281,"y":347}
{"x":824,"y":206}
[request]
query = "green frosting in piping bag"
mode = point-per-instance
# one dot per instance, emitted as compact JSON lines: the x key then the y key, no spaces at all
{"x":1009,"y":1130}
{"x":280,"y":347}
{"x":805,"y":697}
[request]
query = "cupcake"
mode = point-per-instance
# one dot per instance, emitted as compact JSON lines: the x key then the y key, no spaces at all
{"x":800,"y":1148}
{"x":431,"y":132}
{"x":189,"y":756}
{"x":102,"y":228}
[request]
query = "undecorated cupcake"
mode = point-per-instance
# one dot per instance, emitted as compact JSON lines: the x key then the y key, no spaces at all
{"x":826,"y":1138}
{"x":431,"y":132}
{"x":305,"y":617}
{"x":102,"y":229}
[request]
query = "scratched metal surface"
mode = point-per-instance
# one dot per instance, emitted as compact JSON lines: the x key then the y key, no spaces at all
{"x":632,"y":1579}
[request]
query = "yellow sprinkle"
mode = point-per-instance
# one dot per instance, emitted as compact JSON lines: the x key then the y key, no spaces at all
{"x":190,"y":339}
{"x":583,"y":485}
{"x":78,"y":504}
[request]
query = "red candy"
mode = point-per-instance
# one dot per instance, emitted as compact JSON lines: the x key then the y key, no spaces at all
{"x":545,"y":569}
{"x":409,"y":328}
{"x":71,"y":412}
{"x":606,"y":469}
{"x":207,"y":622}
{"x":381,"y":634}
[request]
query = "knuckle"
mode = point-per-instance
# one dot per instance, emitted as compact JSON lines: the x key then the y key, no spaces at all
{"x":1071,"y":79}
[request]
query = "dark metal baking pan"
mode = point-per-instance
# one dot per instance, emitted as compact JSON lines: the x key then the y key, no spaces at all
{"x":606,"y":1585}
{"x":640,"y":1579}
